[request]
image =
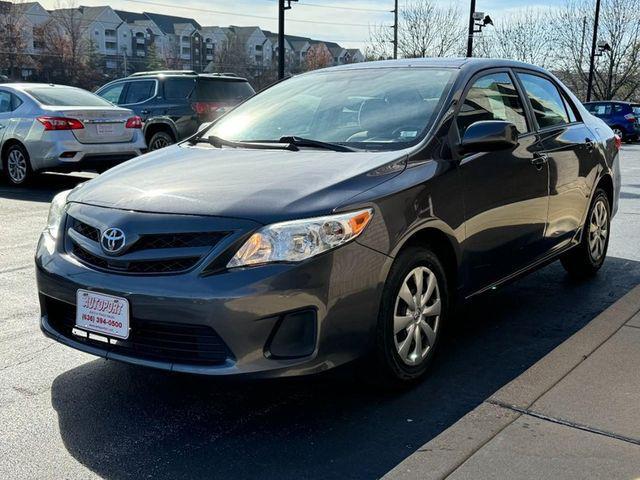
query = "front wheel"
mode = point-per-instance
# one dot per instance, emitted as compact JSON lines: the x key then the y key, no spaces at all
{"x":414,"y":309}
{"x":587,"y":257}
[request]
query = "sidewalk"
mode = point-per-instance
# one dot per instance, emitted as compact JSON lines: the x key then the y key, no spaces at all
{"x":574,"y":414}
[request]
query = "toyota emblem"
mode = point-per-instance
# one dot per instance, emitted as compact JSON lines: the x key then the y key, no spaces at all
{"x":113,"y":240}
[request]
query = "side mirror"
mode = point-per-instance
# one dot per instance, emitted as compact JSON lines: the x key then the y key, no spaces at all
{"x":489,"y":136}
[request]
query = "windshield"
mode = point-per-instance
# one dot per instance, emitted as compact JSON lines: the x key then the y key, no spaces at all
{"x":363,"y":108}
{"x":66,"y":97}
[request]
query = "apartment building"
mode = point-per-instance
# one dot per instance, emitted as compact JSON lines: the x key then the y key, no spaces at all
{"x":124,"y":39}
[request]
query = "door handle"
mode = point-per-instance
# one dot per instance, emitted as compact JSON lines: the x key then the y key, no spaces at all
{"x":145,"y":112}
{"x":539,"y":159}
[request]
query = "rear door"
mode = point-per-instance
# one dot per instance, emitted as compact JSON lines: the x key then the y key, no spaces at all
{"x":506,"y":192}
{"x":570,"y":149}
{"x":139,"y":96}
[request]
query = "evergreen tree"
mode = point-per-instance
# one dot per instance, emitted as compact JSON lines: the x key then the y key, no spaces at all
{"x":153,"y":60}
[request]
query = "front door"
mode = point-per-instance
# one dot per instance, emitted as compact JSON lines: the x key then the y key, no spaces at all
{"x":506,"y":192}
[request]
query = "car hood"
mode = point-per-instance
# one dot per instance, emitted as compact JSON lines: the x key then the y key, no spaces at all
{"x":261,"y":185}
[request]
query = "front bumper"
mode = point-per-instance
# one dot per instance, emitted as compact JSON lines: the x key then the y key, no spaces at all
{"x":244,"y":307}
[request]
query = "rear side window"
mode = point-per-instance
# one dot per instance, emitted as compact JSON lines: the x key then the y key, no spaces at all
{"x":66,"y":97}
{"x":636,"y":110}
{"x":139,"y":91}
{"x":545,"y":99}
{"x":5,"y":102}
{"x":218,"y":90}
{"x":113,"y":93}
{"x":492,"y":97}
{"x":178,"y":88}
{"x":600,"y":109}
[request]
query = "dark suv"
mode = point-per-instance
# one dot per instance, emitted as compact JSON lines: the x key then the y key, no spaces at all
{"x":622,"y":117}
{"x":173,"y":104}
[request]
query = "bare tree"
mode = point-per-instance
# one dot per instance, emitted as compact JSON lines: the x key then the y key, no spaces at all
{"x":617,"y":72}
{"x":318,"y":56}
{"x":13,"y":42}
{"x":526,"y":36}
{"x":64,"y":42}
{"x":425,"y":29}
{"x":233,"y":57}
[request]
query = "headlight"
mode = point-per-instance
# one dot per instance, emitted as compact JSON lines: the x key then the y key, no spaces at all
{"x":55,"y":213}
{"x":300,"y":239}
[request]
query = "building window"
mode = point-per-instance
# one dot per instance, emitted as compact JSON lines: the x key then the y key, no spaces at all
{"x":185,"y":39}
{"x":258,"y":48}
{"x":186,"y":51}
{"x":110,"y":33}
{"x":110,"y":45}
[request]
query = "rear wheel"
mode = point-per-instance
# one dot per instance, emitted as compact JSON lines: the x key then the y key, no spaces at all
{"x":17,"y":166}
{"x":586,"y":258}
{"x":414,"y":309}
{"x":160,"y":140}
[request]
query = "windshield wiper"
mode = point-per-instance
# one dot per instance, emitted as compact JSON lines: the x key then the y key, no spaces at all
{"x":221,"y":142}
{"x":308,"y":142}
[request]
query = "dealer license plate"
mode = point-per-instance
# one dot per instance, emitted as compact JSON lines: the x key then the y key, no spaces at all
{"x":100,"y":313}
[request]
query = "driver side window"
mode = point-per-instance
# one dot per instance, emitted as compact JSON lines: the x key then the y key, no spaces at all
{"x":492,"y":97}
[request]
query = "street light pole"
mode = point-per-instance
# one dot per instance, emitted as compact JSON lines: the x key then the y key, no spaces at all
{"x":471,"y":28}
{"x":594,"y":44}
{"x":281,"y":39}
{"x":395,"y":31}
{"x":282,"y":6}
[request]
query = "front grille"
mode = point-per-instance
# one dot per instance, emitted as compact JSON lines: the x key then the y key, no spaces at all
{"x":88,"y":231}
{"x":151,"y":340}
{"x":204,"y":241}
{"x":177,"y":240}
{"x":146,"y":266}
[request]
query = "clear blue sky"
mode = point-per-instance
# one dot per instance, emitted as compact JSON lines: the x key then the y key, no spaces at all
{"x":348,"y":25}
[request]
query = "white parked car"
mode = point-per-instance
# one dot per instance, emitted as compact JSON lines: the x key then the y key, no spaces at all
{"x":61,"y":128}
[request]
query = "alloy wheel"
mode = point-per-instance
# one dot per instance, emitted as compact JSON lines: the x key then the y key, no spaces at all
{"x":618,"y":132}
{"x":159,"y":143}
{"x":598,"y":230}
{"x":17,"y":166}
{"x":416,"y":316}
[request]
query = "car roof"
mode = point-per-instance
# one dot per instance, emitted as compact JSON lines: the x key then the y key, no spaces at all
{"x":609,"y":101}
{"x":466,"y":63}
{"x":23,"y":86}
{"x":216,"y":76}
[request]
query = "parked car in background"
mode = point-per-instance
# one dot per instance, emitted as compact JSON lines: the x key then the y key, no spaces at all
{"x":55,"y":127}
{"x":173,"y":104}
{"x":622,"y":117}
{"x":292,"y":236}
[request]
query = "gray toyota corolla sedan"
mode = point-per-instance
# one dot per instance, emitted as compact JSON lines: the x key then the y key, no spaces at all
{"x":338,"y":214}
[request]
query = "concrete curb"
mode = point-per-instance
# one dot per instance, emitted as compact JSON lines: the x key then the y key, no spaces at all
{"x":445,"y":453}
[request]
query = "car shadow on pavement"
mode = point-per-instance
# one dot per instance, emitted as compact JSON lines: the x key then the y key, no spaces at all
{"x":43,"y":187}
{"x":122,"y":421}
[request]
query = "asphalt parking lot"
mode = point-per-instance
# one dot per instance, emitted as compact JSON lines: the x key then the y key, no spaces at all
{"x":65,"y":414}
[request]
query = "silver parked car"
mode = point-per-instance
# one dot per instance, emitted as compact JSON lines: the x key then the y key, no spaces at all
{"x":61,"y":128}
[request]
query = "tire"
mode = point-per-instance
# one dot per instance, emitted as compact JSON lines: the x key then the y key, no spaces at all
{"x":16,"y":166}
{"x":160,"y":140}
{"x":619,"y":132}
{"x":397,"y":363}
{"x":586,"y":258}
